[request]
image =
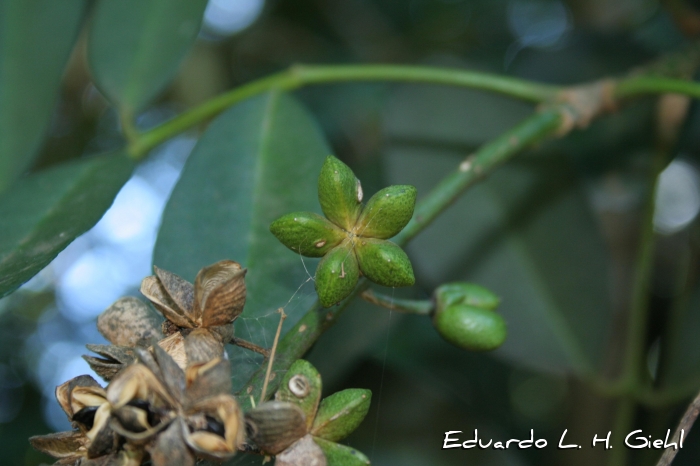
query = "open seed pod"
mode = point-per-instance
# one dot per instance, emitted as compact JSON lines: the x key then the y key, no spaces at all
{"x":215,"y":427}
{"x":219,"y":293}
{"x":112,"y":359}
{"x":141,"y":406}
{"x":204,"y":380}
{"x":69,"y":447}
{"x":170,"y":448}
{"x":275,"y":425}
{"x":171,"y":295}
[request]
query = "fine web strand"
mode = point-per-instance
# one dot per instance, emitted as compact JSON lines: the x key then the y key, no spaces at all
{"x":381,"y":379}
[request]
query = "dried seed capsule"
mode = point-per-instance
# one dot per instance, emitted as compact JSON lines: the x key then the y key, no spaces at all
{"x":129,"y":322}
{"x":470,"y":327}
{"x":275,"y":425}
{"x":387,"y":212}
{"x":337,"y":275}
{"x":339,"y":193}
{"x":465,"y":293}
{"x":341,"y":413}
{"x":219,"y":293}
{"x":384,"y":263}
{"x":302,"y":386}
{"x":337,"y":454}
{"x":221,"y":432}
{"x":307,"y":233}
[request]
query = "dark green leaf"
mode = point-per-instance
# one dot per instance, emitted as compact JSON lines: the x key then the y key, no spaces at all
{"x":41,"y":214}
{"x":136,"y":46}
{"x":36,"y":38}
{"x":256,"y":162}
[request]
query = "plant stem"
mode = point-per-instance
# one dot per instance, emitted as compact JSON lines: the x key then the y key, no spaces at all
{"x":423,"y":307}
{"x":302,"y":75}
{"x":299,"y":339}
{"x":640,"y":85}
{"x":687,"y":421}
{"x":623,"y":421}
{"x":536,"y":128}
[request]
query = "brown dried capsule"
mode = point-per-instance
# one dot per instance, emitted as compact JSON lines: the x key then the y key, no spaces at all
{"x":275,"y":425}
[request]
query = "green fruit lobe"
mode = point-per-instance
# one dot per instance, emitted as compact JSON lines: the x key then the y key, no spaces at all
{"x":337,"y":274}
{"x":466,"y":293}
{"x":302,"y":386}
{"x":384,"y":263}
{"x":339,"y":193}
{"x":470,"y":327}
{"x":307,"y":233}
{"x":387,"y":212}
{"x":341,"y":413}
{"x":341,"y":455}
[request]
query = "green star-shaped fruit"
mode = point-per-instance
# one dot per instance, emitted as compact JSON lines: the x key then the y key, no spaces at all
{"x":300,"y":428}
{"x":352,"y":238}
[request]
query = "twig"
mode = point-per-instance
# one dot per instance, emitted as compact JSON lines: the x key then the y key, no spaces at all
{"x":272,"y":355}
{"x":687,"y":421}
{"x":250,"y":346}
{"x":408,"y":306}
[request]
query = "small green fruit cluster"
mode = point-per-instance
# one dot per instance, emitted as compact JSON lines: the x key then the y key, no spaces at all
{"x":464,"y":316}
{"x":352,"y":238}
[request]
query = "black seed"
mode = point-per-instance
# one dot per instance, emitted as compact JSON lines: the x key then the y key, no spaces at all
{"x":86,"y":416}
{"x":215,"y":427}
{"x":151,"y":416}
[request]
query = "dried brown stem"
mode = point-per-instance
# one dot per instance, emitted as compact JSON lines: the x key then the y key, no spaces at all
{"x":272,"y":355}
{"x":687,"y":421}
{"x":250,"y":346}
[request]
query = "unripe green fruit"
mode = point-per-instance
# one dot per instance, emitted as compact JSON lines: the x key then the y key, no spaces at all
{"x":341,"y":413}
{"x":465,"y":293}
{"x":387,"y":212}
{"x":384,"y":263}
{"x":307,"y":233}
{"x":470,"y":327}
{"x":339,"y":193}
{"x":341,"y":455}
{"x":337,"y":274}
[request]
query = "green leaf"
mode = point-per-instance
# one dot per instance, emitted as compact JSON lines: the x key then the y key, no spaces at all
{"x":341,"y":455}
{"x":36,"y":39}
{"x":527,"y":234}
{"x":256,"y":162}
{"x":302,"y":386}
{"x":387,"y":212}
{"x":136,"y":46}
{"x":339,"y":193}
{"x":341,"y":413}
{"x":307,"y":233}
{"x":41,"y":214}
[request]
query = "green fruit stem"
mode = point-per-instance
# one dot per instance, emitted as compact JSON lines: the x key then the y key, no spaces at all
{"x":422,"y":307}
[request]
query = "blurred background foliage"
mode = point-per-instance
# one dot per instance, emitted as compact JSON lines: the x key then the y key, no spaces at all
{"x":557,"y":229}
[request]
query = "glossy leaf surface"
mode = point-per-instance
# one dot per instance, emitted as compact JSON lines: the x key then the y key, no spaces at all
{"x":256,"y":162}
{"x":42,"y":213}
{"x":36,"y":39}
{"x":136,"y":46}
